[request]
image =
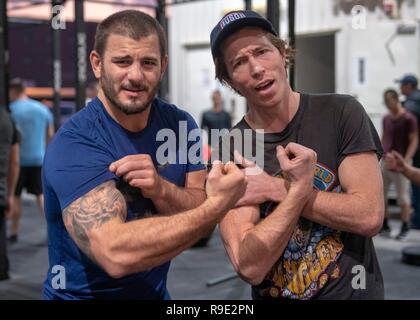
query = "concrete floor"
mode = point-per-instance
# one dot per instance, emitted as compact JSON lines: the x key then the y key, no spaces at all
{"x":191,"y":271}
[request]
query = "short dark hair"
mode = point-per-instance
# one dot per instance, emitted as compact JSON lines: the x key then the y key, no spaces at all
{"x":17,"y":84}
{"x":392,"y":93}
{"x":284,"y":49}
{"x":132,"y":23}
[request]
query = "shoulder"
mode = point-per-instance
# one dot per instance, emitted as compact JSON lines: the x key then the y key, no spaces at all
{"x":81,"y":125}
{"x":241,"y":125}
{"x":409,"y":116}
{"x":170,"y":112}
{"x":207,"y":113}
{"x":340,"y":101}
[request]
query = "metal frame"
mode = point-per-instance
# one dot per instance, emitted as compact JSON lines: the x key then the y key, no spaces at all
{"x":4,"y":55}
{"x":273,"y":14}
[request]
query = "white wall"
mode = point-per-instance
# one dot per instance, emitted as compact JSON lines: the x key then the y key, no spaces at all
{"x":189,"y":34}
{"x":191,"y":24}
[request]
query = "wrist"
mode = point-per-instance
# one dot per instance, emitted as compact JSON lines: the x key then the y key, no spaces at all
{"x":277,"y":190}
{"x":159,"y":191}
{"x":214,"y":204}
{"x":301,"y":191}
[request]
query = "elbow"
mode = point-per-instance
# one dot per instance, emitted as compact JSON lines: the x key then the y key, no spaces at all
{"x":114,"y":271}
{"x":373,"y":224}
{"x":113,"y":261}
{"x":113,"y":265}
{"x":251,"y":274}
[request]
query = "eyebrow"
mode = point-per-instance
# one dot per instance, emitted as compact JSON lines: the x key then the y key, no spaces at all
{"x":150,"y":58}
{"x":253,"y":50}
{"x":120,"y":57}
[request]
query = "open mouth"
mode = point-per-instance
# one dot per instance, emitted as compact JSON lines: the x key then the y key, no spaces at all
{"x":264,"y":85}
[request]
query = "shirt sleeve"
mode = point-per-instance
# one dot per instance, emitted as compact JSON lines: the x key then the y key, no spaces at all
{"x":74,"y":165}
{"x":357,"y":131}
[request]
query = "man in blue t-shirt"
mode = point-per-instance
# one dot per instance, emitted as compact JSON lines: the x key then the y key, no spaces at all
{"x":35,"y":124}
{"x":123,"y":181}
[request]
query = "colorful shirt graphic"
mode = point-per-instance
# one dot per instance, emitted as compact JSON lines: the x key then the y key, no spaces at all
{"x":310,"y":258}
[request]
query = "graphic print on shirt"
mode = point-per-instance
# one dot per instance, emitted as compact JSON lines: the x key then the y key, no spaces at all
{"x":310,"y":258}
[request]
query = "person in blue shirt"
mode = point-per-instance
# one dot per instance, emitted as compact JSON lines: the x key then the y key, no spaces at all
{"x":124,"y":185}
{"x":35,"y":124}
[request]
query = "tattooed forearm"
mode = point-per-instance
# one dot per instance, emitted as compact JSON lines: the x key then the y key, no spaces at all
{"x":92,"y":210}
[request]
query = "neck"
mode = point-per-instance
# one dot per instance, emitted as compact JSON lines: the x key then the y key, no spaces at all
{"x":217,"y":108}
{"x":398,"y":111}
{"x":133,"y":122}
{"x":277,"y":118}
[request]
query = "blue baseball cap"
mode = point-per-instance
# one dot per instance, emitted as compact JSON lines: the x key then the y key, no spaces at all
{"x":408,"y":79}
{"x":232,"y":22}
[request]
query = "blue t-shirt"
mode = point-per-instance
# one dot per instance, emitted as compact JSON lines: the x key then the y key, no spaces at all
{"x":77,"y":161}
{"x":32,"y":119}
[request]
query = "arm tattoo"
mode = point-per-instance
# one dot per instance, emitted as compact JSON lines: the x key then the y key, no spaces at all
{"x":90,"y":211}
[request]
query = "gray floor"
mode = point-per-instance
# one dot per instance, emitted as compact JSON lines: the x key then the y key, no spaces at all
{"x":191,"y":271}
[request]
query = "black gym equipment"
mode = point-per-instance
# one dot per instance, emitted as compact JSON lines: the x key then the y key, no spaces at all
{"x":411,"y":255}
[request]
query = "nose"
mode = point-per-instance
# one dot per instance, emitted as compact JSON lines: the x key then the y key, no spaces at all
{"x":135,"y":73}
{"x":257,"y":70}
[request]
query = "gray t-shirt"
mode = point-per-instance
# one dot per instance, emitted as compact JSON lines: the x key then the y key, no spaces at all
{"x":8,"y":137}
{"x":318,"y":261}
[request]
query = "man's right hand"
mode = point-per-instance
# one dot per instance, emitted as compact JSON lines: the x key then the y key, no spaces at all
{"x":395,"y":162}
{"x":298,"y":165}
{"x":226,"y":184}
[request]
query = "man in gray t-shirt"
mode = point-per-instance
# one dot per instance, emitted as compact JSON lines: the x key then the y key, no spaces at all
{"x":9,"y":169}
{"x":304,"y":228}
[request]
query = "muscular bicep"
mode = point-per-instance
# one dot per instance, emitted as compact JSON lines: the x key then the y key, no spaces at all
{"x":360,"y":172}
{"x":87,"y":215}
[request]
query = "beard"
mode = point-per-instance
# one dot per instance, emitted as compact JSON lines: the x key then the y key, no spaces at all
{"x":134,"y":106}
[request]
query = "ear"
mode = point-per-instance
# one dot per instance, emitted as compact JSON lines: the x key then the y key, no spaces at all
{"x":164,"y":66}
{"x":96,"y":63}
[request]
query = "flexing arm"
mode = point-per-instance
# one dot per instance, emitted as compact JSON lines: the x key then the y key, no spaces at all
{"x":254,"y":246}
{"x":96,"y":222}
{"x":139,"y":171}
{"x":174,"y":199}
{"x":359,"y":209}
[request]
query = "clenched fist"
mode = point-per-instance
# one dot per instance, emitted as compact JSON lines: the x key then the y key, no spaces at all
{"x":226,"y":184}
{"x":298,"y":165}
